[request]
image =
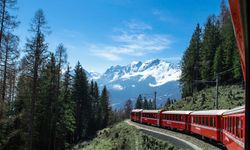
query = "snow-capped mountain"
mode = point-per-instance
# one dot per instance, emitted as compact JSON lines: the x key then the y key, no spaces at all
{"x":138,"y":77}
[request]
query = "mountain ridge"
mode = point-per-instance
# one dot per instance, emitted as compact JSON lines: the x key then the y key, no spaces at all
{"x":128,"y":81}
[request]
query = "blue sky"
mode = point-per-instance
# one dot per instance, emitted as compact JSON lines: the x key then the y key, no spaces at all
{"x":101,"y":33}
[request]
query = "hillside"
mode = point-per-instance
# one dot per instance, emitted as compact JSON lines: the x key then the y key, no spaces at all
{"x":122,"y":136}
{"x":229,"y":97}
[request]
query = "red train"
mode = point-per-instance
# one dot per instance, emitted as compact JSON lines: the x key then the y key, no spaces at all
{"x":224,"y":126}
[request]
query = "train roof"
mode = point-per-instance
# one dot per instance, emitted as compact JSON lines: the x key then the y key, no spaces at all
{"x":151,"y":111}
{"x":186,"y":112}
{"x":209,"y":112}
{"x":239,"y":109}
{"x":137,"y":110}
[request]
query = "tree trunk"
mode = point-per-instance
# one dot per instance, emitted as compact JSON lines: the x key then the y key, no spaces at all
{"x":5,"y":73}
{"x":2,"y":25}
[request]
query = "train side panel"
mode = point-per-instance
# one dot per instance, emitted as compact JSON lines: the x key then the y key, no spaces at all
{"x":233,"y":133}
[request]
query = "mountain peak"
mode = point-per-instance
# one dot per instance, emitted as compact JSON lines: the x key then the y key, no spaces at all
{"x":141,"y":77}
{"x":160,"y":70}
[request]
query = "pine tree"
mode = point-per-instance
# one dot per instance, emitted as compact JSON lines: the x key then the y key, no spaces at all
{"x":96,"y":91}
{"x":105,"y":108}
{"x":150,"y":104}
{"x":218,"y":60}
{"x":80,"y":95}
{"x":139,"y":102}
{"x":21,"y":105}
{"x":190,"y":64}
{"x":66,"y":123}
{"x":10,"y":55}
{"x":237,"y":72}
{"x":36,"y":49}
{"x":145,"y":103}
{"x":128,"y":106}
{"x":46,"y":107}
{"x":7,"y":21}
{"x":230,"y":57}
{"x":210,"y":44}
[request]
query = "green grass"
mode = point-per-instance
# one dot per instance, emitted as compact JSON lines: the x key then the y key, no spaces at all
{"x":229,"y":97}
{"x":124,"y":137}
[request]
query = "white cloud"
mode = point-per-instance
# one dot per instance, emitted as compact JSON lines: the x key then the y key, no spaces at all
{"x":163,"y":16}
{"x":108,"y":55}
{"x":117,"y":87}
{"x":137,"y":25}
{"x":132,"y":41}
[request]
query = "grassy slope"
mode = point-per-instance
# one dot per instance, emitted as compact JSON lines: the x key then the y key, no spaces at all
{"x":229,"y":97}
{"x":122,"y":136}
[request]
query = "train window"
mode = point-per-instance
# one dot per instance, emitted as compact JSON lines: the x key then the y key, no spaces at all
{"x":202,"y":121}
{"x":233,"y":125}
{"x":230,"y":124}
{"x":225,"y":123}
{"x":237,"y":127}
{"x":207,"y":121}
{"x":211,"y":122}
{"x":241,"y":130}
{"x":214,"y":118}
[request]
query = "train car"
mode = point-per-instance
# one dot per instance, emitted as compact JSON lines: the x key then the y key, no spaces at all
{"x":207,"y":123}
{"x":179,"y":120}
{"x":135,"y":115}
{"x":233,"y":135}
{"x":151,"y":117}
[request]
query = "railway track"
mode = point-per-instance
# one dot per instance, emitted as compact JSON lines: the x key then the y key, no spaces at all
{"x":180,"y":140}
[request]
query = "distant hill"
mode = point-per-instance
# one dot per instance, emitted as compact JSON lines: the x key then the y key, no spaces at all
{"x":229,"y":97}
